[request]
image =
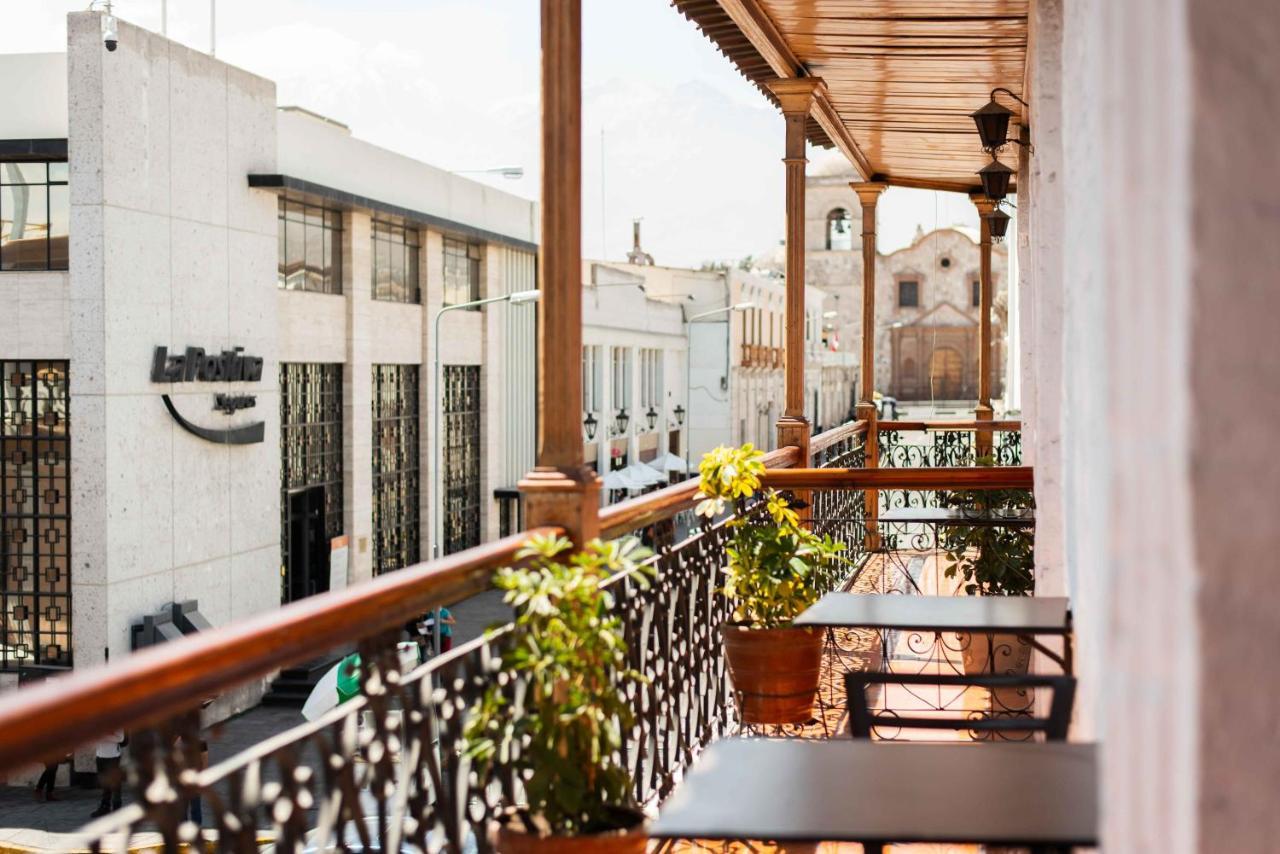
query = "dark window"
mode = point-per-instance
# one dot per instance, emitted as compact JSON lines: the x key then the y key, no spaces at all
{"x":395,"y":262}
{"x":945,"y":262}
{"x":35,"y":211}
{"x":396,"y":473}
{"x":310,"y":240}
{"x":908,"y":294}
{"x":977,"y":292}
{"x":310,"y":452}
{"x":839,"y":229}
{"x":35,"y":515}
{"x":461,"y":271}
{"x":461,"y":457}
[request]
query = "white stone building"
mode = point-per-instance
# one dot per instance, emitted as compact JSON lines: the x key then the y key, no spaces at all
{"x":154,"y":197}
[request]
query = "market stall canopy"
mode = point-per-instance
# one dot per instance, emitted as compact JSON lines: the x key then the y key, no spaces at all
{"x":902,"y":76}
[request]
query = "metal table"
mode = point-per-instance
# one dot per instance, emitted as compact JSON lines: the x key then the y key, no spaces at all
{"x":1025,"y":616}
{"x":1031,"y":615}
{"x":1036,"y":795}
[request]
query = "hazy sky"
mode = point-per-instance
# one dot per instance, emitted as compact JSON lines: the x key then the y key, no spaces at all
{"x":672,"y":132}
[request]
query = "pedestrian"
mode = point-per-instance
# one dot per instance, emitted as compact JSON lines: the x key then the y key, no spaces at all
{"x":44,"y":786}
{"x":447,"y":622}
{"x":108,"y":761}
{"x":195,"y":806}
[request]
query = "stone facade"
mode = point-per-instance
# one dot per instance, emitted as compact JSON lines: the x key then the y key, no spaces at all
{"x":926,"y":350}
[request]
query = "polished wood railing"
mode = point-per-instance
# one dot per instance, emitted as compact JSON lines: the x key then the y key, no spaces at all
{"x":668,"y":629}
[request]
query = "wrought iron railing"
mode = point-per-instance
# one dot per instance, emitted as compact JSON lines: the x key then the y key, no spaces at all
{"x":938,"y":444}
{"x":388,"y":767}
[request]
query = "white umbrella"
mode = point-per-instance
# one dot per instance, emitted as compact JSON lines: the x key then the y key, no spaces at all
{"x":324,"y":696}
{"x":621,"y":479}
{"x":644,"y":475}
{"x":669,"y":462}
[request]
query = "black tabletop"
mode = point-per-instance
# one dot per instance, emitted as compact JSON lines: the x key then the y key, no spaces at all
{"x":956,"y":516}
{"x":1025,"y":614}
{"x":866,"y":791}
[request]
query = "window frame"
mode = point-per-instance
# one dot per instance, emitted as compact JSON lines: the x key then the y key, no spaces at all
{"x":474,"y":257}
{"x":312,"y":222}
{"x":47,"y":223}
{"x":914,"y":282}
{"x":405,"y":240}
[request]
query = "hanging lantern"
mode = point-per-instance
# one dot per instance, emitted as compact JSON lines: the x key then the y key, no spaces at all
{"x":679,"y":413}
{"x":993,"y":124}
{"x":998,"y":222}
{"x":652,"y":417}
{"x":621,"y":421}
{"x":590,"y":423}
{"x":995,"y":179}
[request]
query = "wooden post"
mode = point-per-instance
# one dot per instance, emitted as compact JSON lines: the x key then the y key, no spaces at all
{"x":868,"y":194}
{"x":561,"y":490}
{"x":796,"y":97}
{"x":983,"y":412}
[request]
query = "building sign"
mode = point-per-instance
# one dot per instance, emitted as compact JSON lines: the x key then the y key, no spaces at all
{"x":229,"y":366}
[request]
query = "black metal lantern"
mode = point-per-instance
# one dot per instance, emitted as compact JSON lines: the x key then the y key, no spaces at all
{"x":998,"y":222}
{"x":590,"y":423}
{"x":679,"y":412}
{"x":995,"y":179}
{"x":993,"y":123}
{"x":620,"y":422}
{"x":652,"y":417}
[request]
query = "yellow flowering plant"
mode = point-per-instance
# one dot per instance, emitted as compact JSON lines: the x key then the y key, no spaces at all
{"x":777,"y":568}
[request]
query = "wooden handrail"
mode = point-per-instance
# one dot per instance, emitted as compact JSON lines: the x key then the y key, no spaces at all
{"x":980,"y":426}
{"x":634,"y":513}
{"x":161,"y":682}
{"x":822,"y":441}
{"x":962,"y":477}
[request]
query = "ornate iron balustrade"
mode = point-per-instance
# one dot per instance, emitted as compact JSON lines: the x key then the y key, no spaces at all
{"x":941,"y":444}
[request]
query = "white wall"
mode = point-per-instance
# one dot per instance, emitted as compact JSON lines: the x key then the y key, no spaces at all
{"x":33,"y":101}
{"x":329,"y":155}
{"x":169,"y":247}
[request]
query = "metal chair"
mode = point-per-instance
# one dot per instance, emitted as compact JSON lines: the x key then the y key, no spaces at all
{"x":862,"y":719}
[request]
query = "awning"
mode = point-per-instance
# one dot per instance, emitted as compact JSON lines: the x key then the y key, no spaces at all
{"x":902,"y":76}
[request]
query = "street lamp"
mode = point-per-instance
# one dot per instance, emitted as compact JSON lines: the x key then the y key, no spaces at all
{"x":688,"y":371}
{"x":652,"y":417}
{"x":511,"y":173}
{"x":590,"y":423}
{"x":679,"y":413}
{"x":437,"y":520}
{"x":620,"y":422}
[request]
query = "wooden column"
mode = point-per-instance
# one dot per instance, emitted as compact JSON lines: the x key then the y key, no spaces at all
{"x":796,"y":97}
{"x":561,"y":489}
{"x":983,"y":411}
{"x":868,"y":194}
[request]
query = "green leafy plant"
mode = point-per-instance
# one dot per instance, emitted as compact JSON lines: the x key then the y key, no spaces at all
{"x":993,"y":560}
{"x":563,"y":733}
{"x":777,"y":568}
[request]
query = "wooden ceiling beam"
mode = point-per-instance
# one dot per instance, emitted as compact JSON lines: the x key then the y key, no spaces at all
{"x":760,"y":30}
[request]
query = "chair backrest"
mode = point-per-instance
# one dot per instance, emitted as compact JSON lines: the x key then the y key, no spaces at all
{"x":863,"y":719}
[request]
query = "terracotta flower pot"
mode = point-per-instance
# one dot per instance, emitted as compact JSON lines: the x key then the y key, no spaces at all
{"x":510,"y":837}
{"x":775,"y":672}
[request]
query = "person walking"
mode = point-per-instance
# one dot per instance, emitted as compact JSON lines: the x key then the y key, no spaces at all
{"x":108,"y":761}
{"x":44,"y":786}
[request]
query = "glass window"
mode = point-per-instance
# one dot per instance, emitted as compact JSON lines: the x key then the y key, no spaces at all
{"x":35,"y":515}
{"x":396,"y":471}
{"x":908,"y":293}
{"x":461,"y":271}
{"x":310,"y":248}
{"x":461,"y":452}
{"x":35,"y":210}
{"x":977,"y":293}
{"x":395,"y":262}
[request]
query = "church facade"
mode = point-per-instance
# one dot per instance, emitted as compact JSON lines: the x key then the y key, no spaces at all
{"x":926,"y":323}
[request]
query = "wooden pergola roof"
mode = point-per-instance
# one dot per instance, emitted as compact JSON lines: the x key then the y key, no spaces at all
{"x":902,"y":76}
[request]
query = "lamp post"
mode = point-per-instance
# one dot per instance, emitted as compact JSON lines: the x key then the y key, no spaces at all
{"x":688,"y":370}
{"x":437,"y":518}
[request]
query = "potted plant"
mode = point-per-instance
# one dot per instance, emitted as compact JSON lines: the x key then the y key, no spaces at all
{"x":992,"y":560}
{"x":561,"y":730}
{"x":776,"y":569}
